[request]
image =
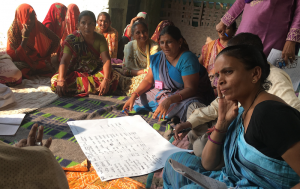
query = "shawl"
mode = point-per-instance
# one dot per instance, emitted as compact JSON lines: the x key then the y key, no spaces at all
{"x":71,"y":20}
{"x":159,"y":28}
{"x":112,"y":40}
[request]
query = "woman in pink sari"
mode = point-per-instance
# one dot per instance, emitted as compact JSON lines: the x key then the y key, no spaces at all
{"x":276,"y":22}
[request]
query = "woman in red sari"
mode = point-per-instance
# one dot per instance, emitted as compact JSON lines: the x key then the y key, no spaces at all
{"x":71,"y":20}
{"x":29,"y":43}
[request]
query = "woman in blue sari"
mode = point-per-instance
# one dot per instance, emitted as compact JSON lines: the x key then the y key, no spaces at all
{"x":254,"y":146}
{"x":174,"y":81}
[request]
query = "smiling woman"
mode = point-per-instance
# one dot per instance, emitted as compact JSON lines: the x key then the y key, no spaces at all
{"x":81,"y":69}
{"x":110,"y":33}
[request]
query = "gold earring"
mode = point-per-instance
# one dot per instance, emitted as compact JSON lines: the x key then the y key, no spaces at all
{"x":253,"y":81}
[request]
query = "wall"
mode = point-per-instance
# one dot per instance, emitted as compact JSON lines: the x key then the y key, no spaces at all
{"x":118,"y":12}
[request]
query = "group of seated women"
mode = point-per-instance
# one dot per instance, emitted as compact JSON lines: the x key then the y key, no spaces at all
{"x":162,"y":76}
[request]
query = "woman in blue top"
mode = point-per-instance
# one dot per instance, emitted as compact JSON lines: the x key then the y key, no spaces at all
{"x":175,"y":80}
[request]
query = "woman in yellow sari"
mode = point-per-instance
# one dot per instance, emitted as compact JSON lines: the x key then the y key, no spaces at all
{"x":136,"y":58}
{"x":110,"y":33}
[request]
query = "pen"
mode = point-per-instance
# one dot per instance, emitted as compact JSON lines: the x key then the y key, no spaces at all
{"x":182,"y":131}
{"x":226,"y":34}
{"x":123,"y":111}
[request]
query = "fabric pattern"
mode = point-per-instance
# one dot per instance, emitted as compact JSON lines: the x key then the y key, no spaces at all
{"x":112,"y":40}
{"x":135,"y":59}
{"x":159,"y":28}
{"x":294,"y":35}
{"x":9,"y":73}
{"x":245,"y":166}
{"x":209,"y":54}
{"x":81,"y":177}
{"x":41,"y":44}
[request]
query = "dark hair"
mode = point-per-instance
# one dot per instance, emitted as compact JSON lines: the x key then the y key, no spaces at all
{"x":173,"y":31}
{"x":105,"y":14}
{"x":246,"y":39}
{"x":137,"y":23}
{"x":250,"y":57}
{"x":87,"y":13}
{"x":233,"y":25}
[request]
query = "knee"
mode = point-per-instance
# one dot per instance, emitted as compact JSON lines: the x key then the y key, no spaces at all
{"x":199,"y":145}
{"x":16,"y":74}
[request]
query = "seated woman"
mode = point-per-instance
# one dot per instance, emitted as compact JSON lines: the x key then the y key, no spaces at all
{"x":29,"y":43}
{"x":137,"y":58}
{"x":81,"y":69}
{"x":71,"y":21}
{"x":178,"y":77}
{"x":212,"y":49}
{"x":254,"y":146}
{"x":110,"y":33}
{"x":9,"y":73}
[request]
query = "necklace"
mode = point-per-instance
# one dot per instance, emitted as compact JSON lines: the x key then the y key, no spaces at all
{"x":245,"y":113}
{"x":174,"y":58}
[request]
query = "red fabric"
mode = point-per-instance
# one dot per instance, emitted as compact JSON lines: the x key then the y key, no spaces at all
{"x":40,"y":45}
{"x":71,"y":20}
{"x":55,"y":19}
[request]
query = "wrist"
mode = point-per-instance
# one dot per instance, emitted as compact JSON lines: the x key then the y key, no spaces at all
{"x":222,"y":125}
{"x":291,"y":42}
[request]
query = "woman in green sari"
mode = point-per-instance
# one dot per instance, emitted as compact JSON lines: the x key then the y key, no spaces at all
{"x":85,"y":65}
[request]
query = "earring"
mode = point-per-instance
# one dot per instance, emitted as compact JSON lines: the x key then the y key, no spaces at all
{"x":253,"y":81}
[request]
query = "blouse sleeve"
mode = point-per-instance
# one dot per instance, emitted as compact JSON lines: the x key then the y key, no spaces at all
{"x":103,"y":44}
{"x":115,"y":45}
{"x":234,"y":12}
{"x":189,"y":65}
{"x":294,"y":32}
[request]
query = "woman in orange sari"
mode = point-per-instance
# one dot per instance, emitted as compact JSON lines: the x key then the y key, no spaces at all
{"x":71,"y":21}
{"x":30,"y":44}
{"x":212,"y":49}
{"x":110,"y":33}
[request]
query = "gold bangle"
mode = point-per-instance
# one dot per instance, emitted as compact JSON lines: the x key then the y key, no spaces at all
{"x":24,"y":36}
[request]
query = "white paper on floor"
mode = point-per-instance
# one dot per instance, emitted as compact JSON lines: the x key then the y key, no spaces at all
{"x":9,"y":124}
{"x":122,"y":147}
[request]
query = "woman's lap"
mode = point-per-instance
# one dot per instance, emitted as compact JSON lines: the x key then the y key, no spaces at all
{"x":9,"y":73}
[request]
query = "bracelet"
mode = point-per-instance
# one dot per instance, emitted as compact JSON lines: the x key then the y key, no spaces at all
{"x":130,"y":73}
{"x":137,"y":94}
{"x":60,"y":80}
{"x":218,"y":143}
{"x":106,"y":79}
{"x":180,"y":96}
{"x":210,"y":130}
{"x":24,"y":36}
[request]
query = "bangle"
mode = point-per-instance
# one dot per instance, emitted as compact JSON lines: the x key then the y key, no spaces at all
{"x":218,"y":143}
{"x":180,"y":96}
{"x":137,"y":94}
{"x":106,"y":79}
{"x":210,"y":130}
{"x":24,"y":36}
{"x":60,"y":80}
{"x":130,"y":73}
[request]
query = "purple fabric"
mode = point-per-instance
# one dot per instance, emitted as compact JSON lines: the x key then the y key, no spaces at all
{"x":274,"y":21}
{"x":248,"y":1}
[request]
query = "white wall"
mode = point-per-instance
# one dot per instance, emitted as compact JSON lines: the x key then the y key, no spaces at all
{"x":41,"y":7}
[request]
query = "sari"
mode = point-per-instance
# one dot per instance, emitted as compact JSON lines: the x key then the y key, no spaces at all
{"x":209,"y":54}
{"x":41,"y":43}
{"x":71,"y":20}
{"x":172,"y":78}
{"x":84,"y":74}
{"x":159,"y":28}
{"x":136,"y":59}
{"x":245,"y":166}
{"x":9,"y":73}
{"x":112,"y":40}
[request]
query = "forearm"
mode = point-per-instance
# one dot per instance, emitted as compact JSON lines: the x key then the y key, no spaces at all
{"x":212,"y":155}
{"x":143,"y":87}
{"x":62,"y":70}
{"x":137,"y":72}
{"x":24,"y":42}
{"x":184,"y":93}
{"x":129,"y":30}
{"x":297,"y":186}
{"x":107,"y":69}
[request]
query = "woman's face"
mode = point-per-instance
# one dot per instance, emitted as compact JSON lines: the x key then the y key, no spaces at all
{"x":87,"y":25}
{"x":103,"y":23}
{"x":230,"y":32}
{"x":140,"y":33}
{"x":169,"y":45}
{"x":31,"y":21}
{"x":234,"y":80}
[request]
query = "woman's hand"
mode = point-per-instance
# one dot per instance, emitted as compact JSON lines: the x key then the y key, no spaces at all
{"x":61,"y":88}
{"x":125,"y":70}
{"x":26,"y":30}
{"x":288,"y":52}
{"x":33,"y":139}
{"x":104,"y":87}
{"x":221,"y":27}
{"x":135,"y":19}
{"x":228,"y":111}
{"x":162,"y":109}
{"x":179,"y":127}
{"x":129,"y":103}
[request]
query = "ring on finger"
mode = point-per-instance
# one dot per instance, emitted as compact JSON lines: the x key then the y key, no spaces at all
{"x":38,"y":143}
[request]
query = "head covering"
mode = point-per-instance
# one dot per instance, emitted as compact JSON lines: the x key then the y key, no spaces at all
{"x":55,"y":19}
{"x":142,"y":14}
{"x":159,"y":28}
{"x":71,"y":20}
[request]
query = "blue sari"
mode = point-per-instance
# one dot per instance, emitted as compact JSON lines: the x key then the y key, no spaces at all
{"x":245,"y":166}
{"x":172,"y":78}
